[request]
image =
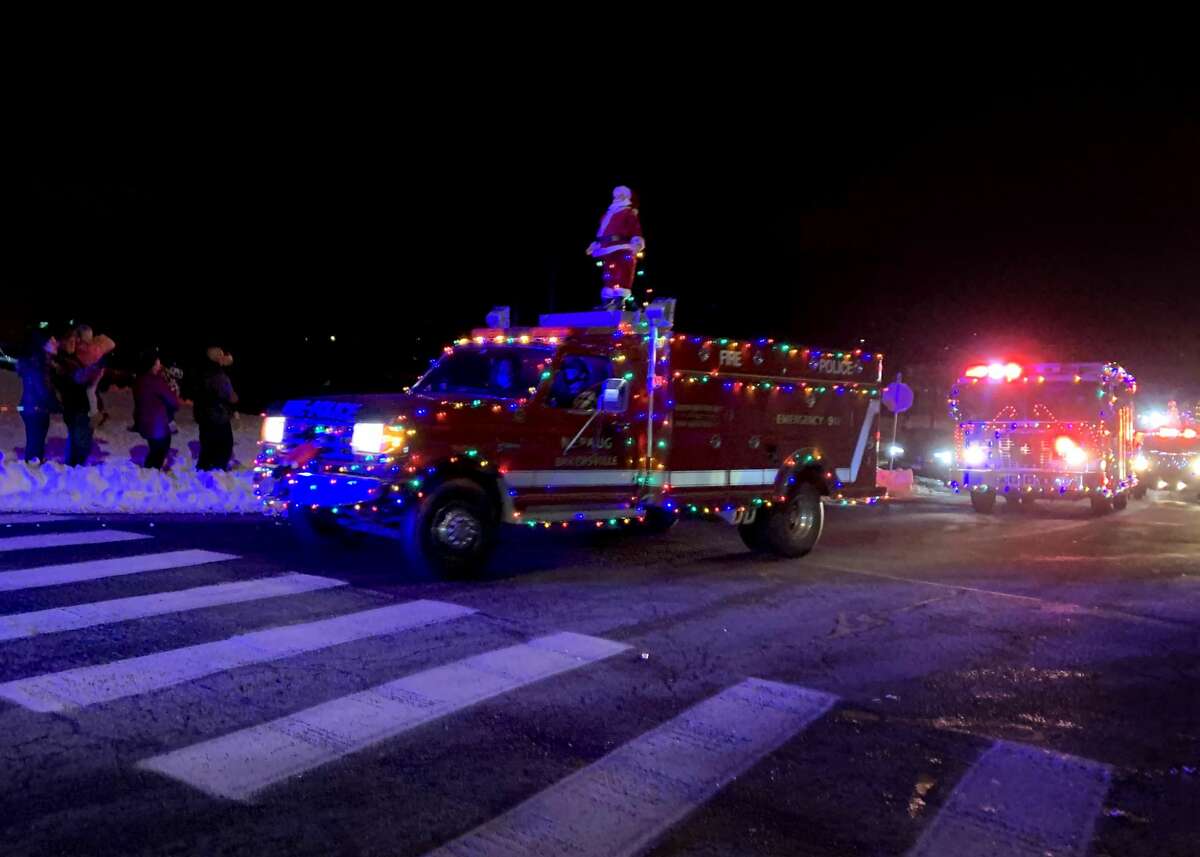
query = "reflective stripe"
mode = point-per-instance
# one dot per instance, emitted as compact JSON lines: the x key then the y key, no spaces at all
{"x":752,"y":477}
{"x":547,"y":478}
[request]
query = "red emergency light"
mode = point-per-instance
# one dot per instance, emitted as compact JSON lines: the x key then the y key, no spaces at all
{"x":995,"y":371}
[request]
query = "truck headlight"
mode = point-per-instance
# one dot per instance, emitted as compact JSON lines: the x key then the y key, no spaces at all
{"x":367,"y":437}
{"x":1140,"y":463}
{"x":272,"y":429}
{"x":377,"y":438}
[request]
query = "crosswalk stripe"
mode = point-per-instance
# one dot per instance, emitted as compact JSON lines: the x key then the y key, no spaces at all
{"x":623,"y":803}
{"x":242,"y":763}
{"x":1019,"y":800}
{"x":34,"y":519}
{"x":20,"y":625}
{"x":85,"y":686}
{"x":76,"y":572}
{"x":59,"y":540}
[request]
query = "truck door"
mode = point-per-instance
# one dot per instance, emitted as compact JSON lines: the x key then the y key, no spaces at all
{"x":571,"y":456}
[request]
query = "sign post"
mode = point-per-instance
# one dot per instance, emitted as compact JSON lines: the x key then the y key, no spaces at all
{"x":897,"y":398}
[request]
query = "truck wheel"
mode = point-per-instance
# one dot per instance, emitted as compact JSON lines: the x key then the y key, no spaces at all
{"x":1120,"y":501}
{"x":792,"y":530}
{"x":1100,"y":505}
{"x":983,"y":502}
{"x":754,"y":535}
{"x":1139,"y":491}
{"x":658,"y":520}
{"x":453,"y":530}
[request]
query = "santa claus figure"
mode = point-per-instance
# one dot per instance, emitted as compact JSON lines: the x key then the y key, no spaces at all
{"x":618,"y":242}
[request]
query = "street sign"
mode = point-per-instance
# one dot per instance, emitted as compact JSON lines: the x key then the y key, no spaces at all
{"x":897,"y":397}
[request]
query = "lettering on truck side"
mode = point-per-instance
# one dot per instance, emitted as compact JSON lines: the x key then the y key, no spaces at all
{"x":806,"y":420}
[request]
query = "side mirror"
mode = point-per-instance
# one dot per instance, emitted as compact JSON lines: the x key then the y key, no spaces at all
{"x":614,"y":396}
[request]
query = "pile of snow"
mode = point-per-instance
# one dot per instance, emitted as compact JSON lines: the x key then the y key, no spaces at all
{"x":899,"y":483}
{"x":122,"y":487}
{"x":114,"y":481}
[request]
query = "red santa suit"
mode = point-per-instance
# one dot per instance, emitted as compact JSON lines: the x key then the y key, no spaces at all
{"x":618,"y":241}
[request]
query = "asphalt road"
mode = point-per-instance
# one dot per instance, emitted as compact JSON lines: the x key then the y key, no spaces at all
{"x":928,"y":681}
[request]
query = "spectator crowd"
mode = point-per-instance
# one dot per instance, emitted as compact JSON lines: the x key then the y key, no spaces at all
{"x":64,"y":376}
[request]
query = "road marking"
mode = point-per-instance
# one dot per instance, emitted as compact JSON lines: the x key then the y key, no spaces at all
{"x":1019,"y":800}
{"x":242,"y":763}
{"x":35,"y":519}
{"x":20,"y":625}
{"x":623,"y":803}
{"x":60,"y":540}
{"x":74,"y":572}
{"x":85,"y":686}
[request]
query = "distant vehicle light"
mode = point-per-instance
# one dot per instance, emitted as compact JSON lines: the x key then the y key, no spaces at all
{"x":1069,"y":451}
{"x":980,"y":371}
{"x":895,"y":451}
{"x":1189,"y":433}
{"x":1168,"y":431}
{"x":1161,"y":485}
{"x":1179,"y":486}
{"x":1140,"y":462}
{"x":367,"y":437}
{"x":272,"y":429}
{"x":974,"y":455}
{"x":945,"y":456}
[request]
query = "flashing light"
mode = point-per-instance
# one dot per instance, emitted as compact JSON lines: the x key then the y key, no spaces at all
{"x":1189,"y":433}
{"x":1168,"y":432}
{"x":995,"y":371}
{"x":272,"y":429}
{"x":895,"y":451}
{"x":974,"y":455}
{"x":1140,"y":462}
{"x":943,"y":457}
{"x":1179,"y":486}
{"x":1161,"y":485}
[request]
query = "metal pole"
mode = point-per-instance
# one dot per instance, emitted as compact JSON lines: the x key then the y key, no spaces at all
{"x":895,"y":424}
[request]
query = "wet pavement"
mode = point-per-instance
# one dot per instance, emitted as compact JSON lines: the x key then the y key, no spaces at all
{"x":1026,"y":682}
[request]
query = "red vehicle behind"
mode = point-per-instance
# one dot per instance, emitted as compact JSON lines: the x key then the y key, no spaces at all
{"x":1054,"y":431}
{"x":566,"y":424}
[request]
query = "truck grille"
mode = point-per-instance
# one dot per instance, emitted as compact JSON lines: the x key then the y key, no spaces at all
{"x":332,"y":438}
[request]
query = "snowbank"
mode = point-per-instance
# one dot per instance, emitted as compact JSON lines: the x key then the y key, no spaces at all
{"x":899,"y":483}
{"x":113,"y":481}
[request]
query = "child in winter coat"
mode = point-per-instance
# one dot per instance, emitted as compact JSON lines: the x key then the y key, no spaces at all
{"x":91,"y":349}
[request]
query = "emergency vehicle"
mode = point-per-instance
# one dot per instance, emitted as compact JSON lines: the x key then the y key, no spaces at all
{"x":1054,"y":431}
{"x":1169,"y":458}
{"x":566,"y":424}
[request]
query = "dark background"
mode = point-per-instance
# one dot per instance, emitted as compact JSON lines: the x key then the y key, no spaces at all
{"x":937,"y":219}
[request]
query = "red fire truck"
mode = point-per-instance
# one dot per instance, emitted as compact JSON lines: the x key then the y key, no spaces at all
{"x":565,"y":424}
{"x":1061,"y":431}
{"x":1168,"y":458}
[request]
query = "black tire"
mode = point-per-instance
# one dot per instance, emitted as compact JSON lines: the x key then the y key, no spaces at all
{"x":658,"y":521}
{"x":319,"y":529}
{"x":1139,"y":491}
{"x":983,"y":502}
{"x":754,"y":534}
{"x":1120,"y":501}
{"x":792,"y":529}
{"x":1100,"y":505}
{"x":453,"y":531}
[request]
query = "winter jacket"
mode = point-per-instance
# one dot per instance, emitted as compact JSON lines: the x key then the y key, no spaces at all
{"x":215,"y":397}
{"x":38,"y":393}
{"x":154,"y":406}
{"x":73,"y":381}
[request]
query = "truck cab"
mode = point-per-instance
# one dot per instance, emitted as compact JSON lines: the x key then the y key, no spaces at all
{"x":1045,"y":431}
{"x":604,"y":418}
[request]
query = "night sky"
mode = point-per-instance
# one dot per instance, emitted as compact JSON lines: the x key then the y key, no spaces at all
{"x":1045,"y":219}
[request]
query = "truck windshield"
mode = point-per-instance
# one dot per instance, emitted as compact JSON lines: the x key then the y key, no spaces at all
{"x":1061,"y":402}
{"x":502,"y":372}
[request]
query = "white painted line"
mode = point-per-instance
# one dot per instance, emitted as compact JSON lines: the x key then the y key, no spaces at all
{"x":1022,"y":801}
{"x":242,"y":763}
{"x":74,"y":572}
{"x":84,"y":686}
{"x":60,"y":540}
{"x":621,"y":804}
{"x":35,"y":519}
{"x":20,"y":625}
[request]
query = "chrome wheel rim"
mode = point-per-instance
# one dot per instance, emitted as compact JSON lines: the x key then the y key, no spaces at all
{"x":457,"y":529}
{"x":801,"y":518}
